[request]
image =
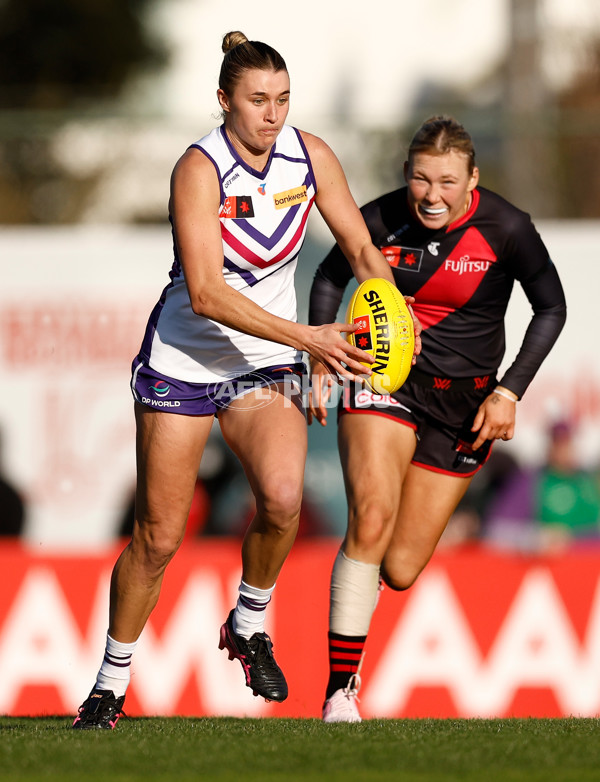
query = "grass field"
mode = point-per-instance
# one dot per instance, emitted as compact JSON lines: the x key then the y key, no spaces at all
{"x":270,"y":750}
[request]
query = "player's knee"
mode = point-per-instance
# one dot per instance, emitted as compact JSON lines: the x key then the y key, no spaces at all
{"x":369,"y":523}
{"x":279,"y":504}
{"x":155,"y":545}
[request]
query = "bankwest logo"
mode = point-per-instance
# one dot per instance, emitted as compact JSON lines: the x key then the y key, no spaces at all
{"x":290,"y":197}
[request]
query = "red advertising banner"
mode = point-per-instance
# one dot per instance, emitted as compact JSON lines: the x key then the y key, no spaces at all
{"x":481,"y":633}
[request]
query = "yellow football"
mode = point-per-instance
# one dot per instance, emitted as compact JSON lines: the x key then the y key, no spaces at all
{"x":385,"y":331}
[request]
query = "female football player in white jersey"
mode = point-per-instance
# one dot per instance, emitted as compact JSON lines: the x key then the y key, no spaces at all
{"x":223,"y":341}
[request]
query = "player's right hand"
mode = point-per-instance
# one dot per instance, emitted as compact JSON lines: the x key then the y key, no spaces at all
{"x":342,"y":360}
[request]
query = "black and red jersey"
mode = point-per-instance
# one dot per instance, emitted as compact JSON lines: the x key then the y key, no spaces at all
{"x":461,"y":277}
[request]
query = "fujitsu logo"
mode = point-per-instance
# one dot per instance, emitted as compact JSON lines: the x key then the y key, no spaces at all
{"x":465,"y":265}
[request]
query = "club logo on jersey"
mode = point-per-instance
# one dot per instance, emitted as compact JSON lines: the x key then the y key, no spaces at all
{"x":362,"y":335}
{"x":261,"y":188}
{"x":160,"y":388}
{"x":237,"y":207}
{"x":290,"y":197}
{"x":407,"y":258}
{"x":433,"y":247}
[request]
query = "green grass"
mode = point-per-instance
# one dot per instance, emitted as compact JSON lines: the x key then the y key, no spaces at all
{"x":278,"y":750}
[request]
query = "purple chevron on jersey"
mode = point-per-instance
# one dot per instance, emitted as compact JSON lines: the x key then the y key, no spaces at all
{"x":247,"y":276}
{"x":248,"y":255}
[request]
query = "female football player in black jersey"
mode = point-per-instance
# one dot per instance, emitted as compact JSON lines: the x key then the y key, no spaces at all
{"x":458,"y":249}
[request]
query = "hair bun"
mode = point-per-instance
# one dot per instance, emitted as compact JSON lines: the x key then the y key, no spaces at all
{"x":232,"y":39}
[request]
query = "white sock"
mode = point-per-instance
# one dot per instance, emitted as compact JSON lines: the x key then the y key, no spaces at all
{"x":249,"y":614}
{"x":115,"y":671}
{"x":354,"y":593}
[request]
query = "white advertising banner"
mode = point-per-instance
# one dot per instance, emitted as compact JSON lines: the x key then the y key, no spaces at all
{"x":73,"y":306}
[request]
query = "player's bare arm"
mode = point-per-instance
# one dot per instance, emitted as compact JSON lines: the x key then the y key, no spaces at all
{"x":339,"y":210}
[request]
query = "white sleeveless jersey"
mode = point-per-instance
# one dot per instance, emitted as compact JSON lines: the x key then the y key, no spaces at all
{"x":263,"y":217}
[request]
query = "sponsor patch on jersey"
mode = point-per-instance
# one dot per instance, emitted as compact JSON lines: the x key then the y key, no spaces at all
{"x":407,"y":258}
{"x":237,"y":207}
{"x":362,"y":335}
{"x":290,"y":197}
{"x":464,"y":265}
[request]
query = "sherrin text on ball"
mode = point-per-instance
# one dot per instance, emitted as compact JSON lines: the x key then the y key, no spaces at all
{"x":385,"y":330}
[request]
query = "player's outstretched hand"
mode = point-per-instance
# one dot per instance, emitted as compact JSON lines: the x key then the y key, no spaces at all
{"x":332,"y":360}
{"x":342,"y":360}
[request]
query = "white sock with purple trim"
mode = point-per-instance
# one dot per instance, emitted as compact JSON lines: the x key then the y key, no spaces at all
{"x":115,"y":671}
{"x":249,"y":614}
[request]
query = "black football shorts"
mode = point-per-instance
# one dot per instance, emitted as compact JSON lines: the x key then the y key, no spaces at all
{"x":439,"y":410}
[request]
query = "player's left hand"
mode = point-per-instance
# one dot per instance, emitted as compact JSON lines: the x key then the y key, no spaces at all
{"x":495,"y":419}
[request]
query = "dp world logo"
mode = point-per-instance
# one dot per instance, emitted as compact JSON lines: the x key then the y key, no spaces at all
{"x":160,"y":388}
